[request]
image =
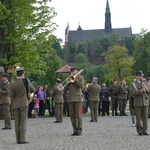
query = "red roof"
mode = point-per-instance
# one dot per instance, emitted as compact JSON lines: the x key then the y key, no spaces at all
{"x":64,"y":69}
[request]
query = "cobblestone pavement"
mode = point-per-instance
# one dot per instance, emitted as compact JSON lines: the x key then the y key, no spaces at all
{"x":109,"y":133}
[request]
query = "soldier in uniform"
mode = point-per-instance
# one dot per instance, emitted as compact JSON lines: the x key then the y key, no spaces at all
{"x":148,"y":86}
{"x":20,"y":90}
{"x":94,"y":90}
{"x":57,"y":95}
{"x":113,"y":90}
{"x":141,"y":103}
{"x":122,"y":96}
{"x":5,"y":101}
{"x":75,"y":101}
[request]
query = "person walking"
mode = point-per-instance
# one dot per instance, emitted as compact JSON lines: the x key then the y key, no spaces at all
{"x":75,"y":96}
{"x":5,"y":101}
{"x":141,"y":103}
{"x":94,"y":90}
{"x":57,"y":95}
{"x":20,"y":90}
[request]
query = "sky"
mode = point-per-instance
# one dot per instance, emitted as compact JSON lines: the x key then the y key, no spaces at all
{"x":90,"y":14}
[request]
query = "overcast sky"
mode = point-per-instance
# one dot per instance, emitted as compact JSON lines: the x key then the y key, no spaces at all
{"x":90,"y":14}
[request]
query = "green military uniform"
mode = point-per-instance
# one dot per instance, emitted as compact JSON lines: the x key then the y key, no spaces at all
{"x":113,"y":92}
{"x":122,"y":96}
{"x":5,"y":101}
{"x":94,"y":90}
{"x":141,"y":104}
{"x":148,"y":86}
{"x":75,"y":104}
{"x":19,"y":92}
{"x":58,"y":100}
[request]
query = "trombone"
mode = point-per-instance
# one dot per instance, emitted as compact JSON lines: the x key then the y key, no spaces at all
{"x":70,"y":79}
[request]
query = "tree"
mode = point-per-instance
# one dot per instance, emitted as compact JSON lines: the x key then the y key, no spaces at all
{"x":118,"y":64}
{"x":81,"y":58}
{"x":25,"y":34}
{"x":142,"y":55}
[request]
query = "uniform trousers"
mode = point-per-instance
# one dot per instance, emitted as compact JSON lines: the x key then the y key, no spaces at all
{"x":59,"y":112}
{"x":6,"y":115}
{"x":141,"y":113}
{"x":20,"y":115}
{"x":94,"y":110}
{"x":75,"y":111}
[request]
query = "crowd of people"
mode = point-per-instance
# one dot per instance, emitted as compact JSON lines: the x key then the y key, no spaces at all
{"x":74,"y":99}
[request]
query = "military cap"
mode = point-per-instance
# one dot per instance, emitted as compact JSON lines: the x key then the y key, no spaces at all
{"x":95,"y":79}
{"x":20,"y":71}
{"x":148,"y":78}
{"x":5,"y":75}
{"x":139,"y":73}
{"x":73,"y":69}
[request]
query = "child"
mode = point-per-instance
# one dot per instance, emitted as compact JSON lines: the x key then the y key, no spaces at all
{"x":36,"y":106}
{"x":83,"y":107}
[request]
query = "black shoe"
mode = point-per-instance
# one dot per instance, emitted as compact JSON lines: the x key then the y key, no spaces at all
{"x":78,"y":134}
{"x":91,"y":120}
{"x":145,"y":133}
{"x":23,"y":142}
{"x":6,"y":128}
{"x":125,"y":114}
{"x":74,"y":134}
{"x":117,"y":114}
{"x":140,"y":134}
{"x":56,"y":122}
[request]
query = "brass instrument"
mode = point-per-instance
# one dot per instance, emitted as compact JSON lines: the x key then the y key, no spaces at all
{"x":70,"y":79}
{"x":12,"y":69}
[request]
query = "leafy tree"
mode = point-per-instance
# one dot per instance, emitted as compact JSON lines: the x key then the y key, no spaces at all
{"x":118,"y":64}
{"x":25,"y":34}
{"x":142,"y":55}
{"x":81,"y":58}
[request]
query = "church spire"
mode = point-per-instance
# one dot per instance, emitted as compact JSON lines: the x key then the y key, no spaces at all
{"x":107,"y":17}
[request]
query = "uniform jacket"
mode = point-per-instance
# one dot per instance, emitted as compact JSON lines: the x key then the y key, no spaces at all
{"x":123,"y":91}
{"x":113,"y":90}
{"x":140,"y":98}
{"x":75,"y":90}
{"x":57,"y":94}
{"x":18,"y":93}
{"x":4,"y":93}
{"x":94,"y":90}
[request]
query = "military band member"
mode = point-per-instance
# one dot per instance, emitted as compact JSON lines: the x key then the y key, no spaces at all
{"x":20,"y":90}
{"x":75,"y":102}
{"x":113,"y":92}
{"x":5,"y":101}
{"x":141,"y":103}
{"x":148,"y":86}
{"x":94,"y":90}
{"x":122,"y":96}
{"x":57,"y":95}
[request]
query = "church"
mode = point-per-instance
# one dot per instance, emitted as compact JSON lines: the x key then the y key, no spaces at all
{"x":81,"y":36}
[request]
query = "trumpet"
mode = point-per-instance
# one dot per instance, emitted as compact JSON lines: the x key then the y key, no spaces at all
{"x":70,"y":79}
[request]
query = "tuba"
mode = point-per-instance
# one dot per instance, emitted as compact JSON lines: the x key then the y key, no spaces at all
{"x":12,"y":69}
{"x":70,"y":79}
